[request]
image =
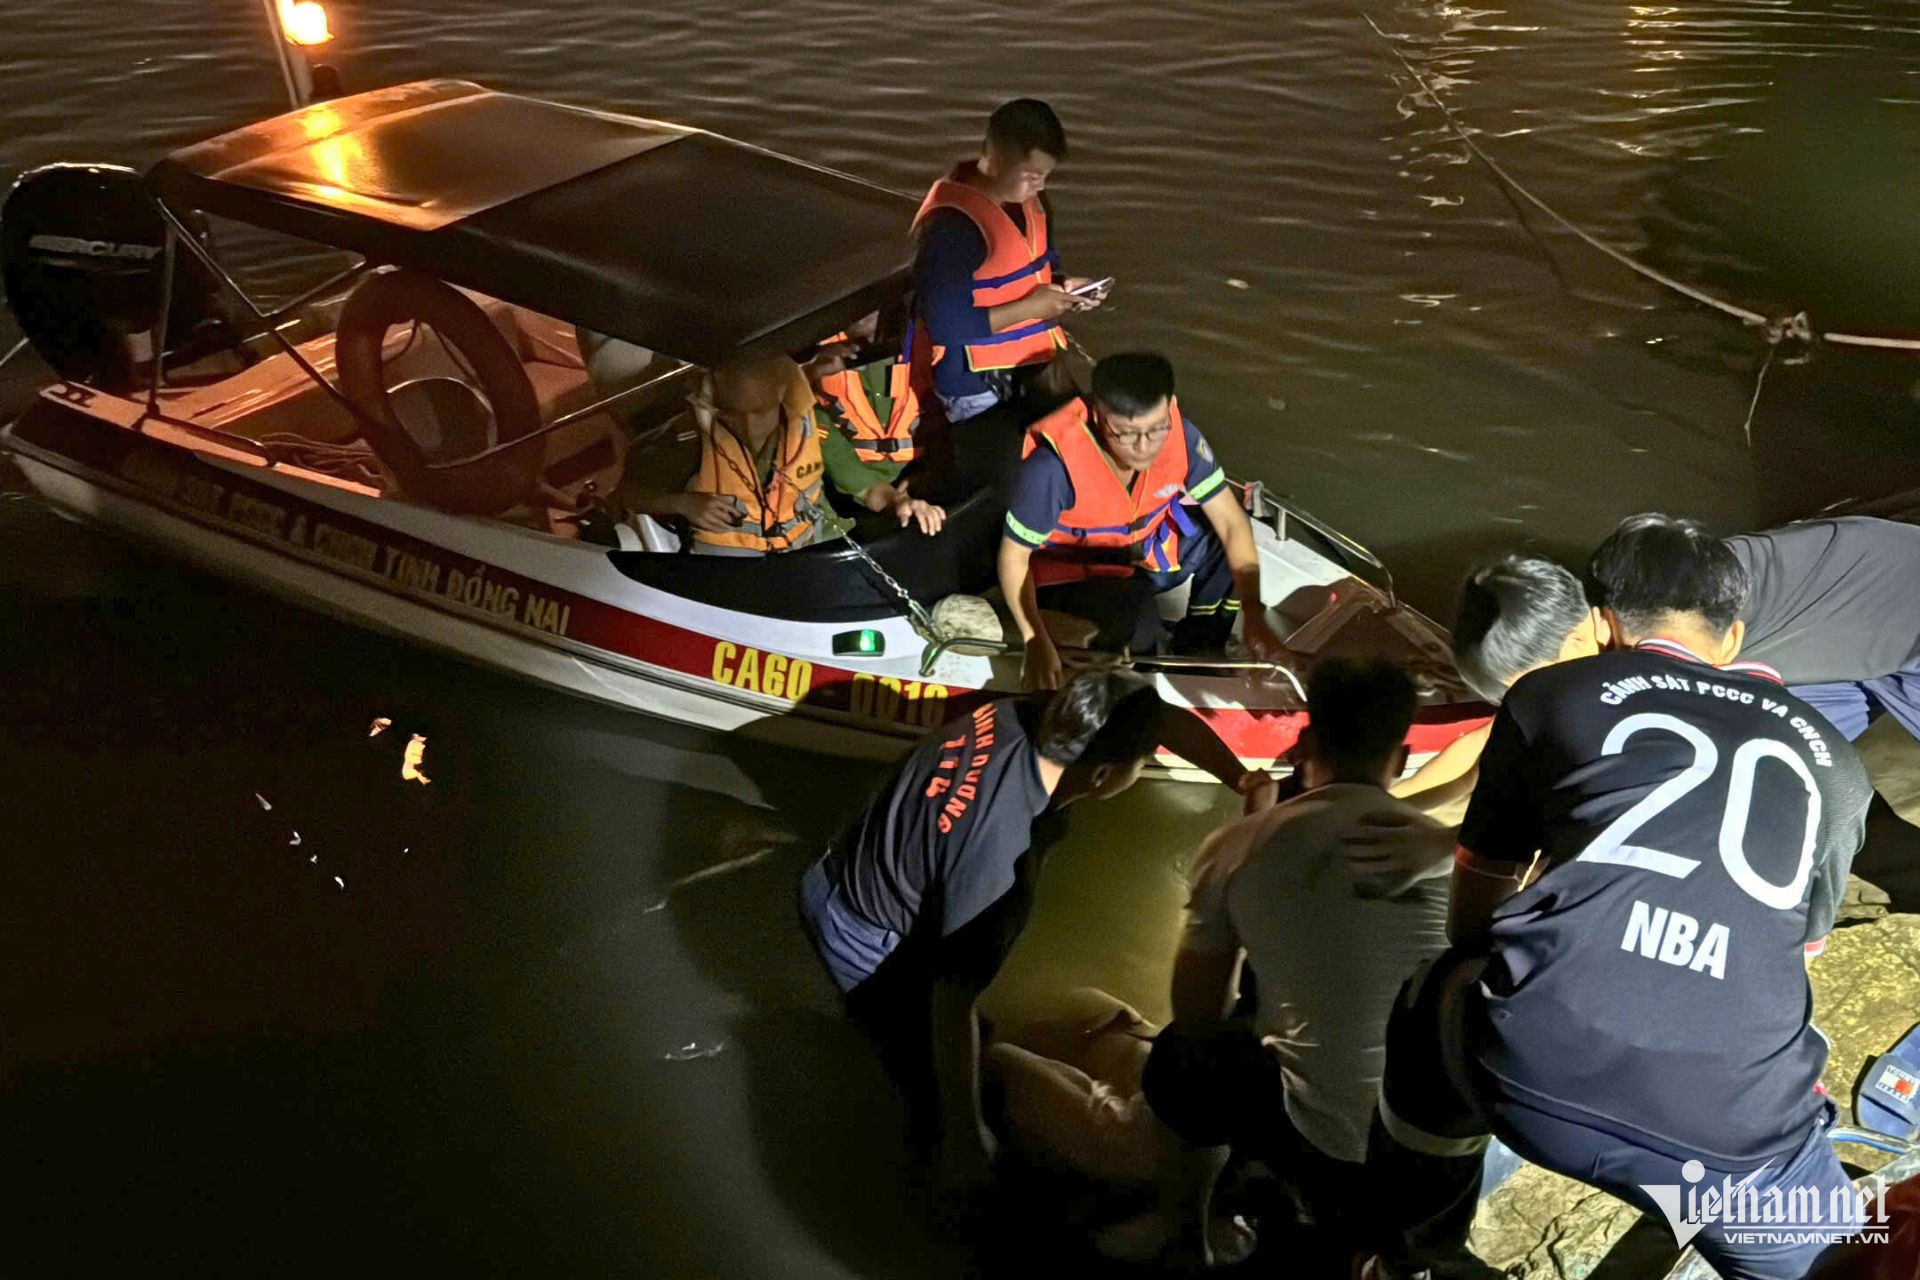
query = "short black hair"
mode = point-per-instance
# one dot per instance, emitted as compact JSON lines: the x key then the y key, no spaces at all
{"x":1099,"y":717}
{"x":1359,"y":714}
{"x":1514,"y":615}
{"x":1656,"y":564}
{"x":1026,"y":125}
{"x":1132,"y":382}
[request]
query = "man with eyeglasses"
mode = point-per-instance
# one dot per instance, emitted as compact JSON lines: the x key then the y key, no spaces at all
{"x":1101,"y":523}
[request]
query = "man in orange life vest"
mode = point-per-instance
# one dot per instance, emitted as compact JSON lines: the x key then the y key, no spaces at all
{"x":757,"y":485}
{"x":1100,"y":523}
{"x":984,"y":277}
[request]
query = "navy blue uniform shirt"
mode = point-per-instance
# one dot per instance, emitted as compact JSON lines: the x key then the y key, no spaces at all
{"x":1696,"y":826}
{"x":941,"y":844}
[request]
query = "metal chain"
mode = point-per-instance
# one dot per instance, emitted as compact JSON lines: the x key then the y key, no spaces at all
{"x":923,"y":620}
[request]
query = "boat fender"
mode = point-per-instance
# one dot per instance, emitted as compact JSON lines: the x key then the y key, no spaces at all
{"x":488,"y":485}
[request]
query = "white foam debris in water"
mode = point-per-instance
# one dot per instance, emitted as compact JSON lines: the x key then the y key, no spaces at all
{"x":415,"y":756}
{"x":265,"y":804}
{"x":1277,"y":403}
{"x":1235,"y":282}
{"x":294,"y":841}
{"x":694,"y":1050}
{"x":314,"y":860}
{"x":379,"y":726}
{"x":342,"y":883}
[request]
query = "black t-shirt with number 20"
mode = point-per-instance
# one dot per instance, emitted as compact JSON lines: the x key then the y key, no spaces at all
{"x":1696,"y":826}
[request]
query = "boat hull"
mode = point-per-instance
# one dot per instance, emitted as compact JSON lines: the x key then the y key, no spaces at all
{"x":548,"y":609}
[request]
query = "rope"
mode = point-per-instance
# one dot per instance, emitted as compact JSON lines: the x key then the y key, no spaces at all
{"x":1788,"y":328}
{"x":356,"y":462}
{"x":16,"y":349}
{"x":1753,"y":404}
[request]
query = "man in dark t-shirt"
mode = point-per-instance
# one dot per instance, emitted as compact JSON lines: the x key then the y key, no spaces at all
{"x":1656,"y":834}
{"x":915,"y":907}
{"x":1835,"y":606}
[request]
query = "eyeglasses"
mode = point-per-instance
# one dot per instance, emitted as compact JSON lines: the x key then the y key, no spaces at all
{"x":1139,"y":439}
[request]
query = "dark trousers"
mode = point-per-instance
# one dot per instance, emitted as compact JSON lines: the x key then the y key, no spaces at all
{"x":1214,"y":1084}
{"x":1437,"y":1110}
{"x":985,"y":451}
{"x":1126,"y":610}
{"x":894,"y":1010}
{"x":1428,"y":1139}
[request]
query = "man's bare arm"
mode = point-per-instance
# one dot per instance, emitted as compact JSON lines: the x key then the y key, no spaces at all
{"x":1204,"y":984}
{"x":1479,"y":887}
{"x":1015,"y":566}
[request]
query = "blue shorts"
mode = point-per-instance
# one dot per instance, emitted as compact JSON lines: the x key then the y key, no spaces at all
{"x":850,"y":947}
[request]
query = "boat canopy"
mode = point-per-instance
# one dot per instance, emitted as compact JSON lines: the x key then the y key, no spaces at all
{"x":680,"y":240}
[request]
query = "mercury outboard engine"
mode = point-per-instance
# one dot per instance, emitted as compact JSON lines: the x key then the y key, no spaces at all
{"x":82,"y":257}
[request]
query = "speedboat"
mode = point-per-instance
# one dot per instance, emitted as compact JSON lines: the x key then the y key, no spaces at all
{"x":413,"y":442}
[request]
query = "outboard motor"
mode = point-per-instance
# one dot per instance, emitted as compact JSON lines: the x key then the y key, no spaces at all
{"x":82,"y":257}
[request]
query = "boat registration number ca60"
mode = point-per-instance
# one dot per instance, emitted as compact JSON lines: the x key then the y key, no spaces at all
{"x":773,"y":674}
{"x":909,"y":702}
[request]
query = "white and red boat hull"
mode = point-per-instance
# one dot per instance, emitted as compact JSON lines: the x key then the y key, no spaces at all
{"x":544,"y":608}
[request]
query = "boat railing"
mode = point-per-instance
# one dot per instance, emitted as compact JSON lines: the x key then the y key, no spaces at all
{"x":1263,"y":505}
{"x":1171,"y":664}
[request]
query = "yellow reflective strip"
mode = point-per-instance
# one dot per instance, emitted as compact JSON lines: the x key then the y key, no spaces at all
{"x":1200,"y":491}
{"x":1025,"y":534}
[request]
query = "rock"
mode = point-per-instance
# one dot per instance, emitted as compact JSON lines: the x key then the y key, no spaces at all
{"x":1540,"y":1226}
{"x":1866,"y":993}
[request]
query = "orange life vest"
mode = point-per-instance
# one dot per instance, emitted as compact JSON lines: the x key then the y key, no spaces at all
{"x":1138,"y":526}
{"x":779,"y":509}
{"x":847,"y":398}
{"x":1016,"y":264}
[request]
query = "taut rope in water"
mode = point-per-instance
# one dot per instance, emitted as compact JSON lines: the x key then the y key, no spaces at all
{"x":1795,"y":329}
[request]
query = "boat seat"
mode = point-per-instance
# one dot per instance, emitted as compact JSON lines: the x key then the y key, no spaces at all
{"x":276,"y":397}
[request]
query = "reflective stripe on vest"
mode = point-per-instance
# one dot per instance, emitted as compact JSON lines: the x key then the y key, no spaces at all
{"x":1145,"y":522}
{"x":1017,"y":263}
{"x":847,"y":398}
{"x":778,"y":510}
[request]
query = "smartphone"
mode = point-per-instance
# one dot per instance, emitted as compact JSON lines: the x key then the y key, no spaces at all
{"x":1097,"y":289}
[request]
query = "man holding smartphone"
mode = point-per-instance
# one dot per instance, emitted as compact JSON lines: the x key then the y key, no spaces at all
{"x":987,"y":273}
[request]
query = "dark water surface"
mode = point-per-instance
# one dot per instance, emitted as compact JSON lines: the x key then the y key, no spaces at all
{"x":454,"y":1024}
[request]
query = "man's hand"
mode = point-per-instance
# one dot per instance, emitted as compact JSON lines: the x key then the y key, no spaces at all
{"x":1051,"y":301}
{"x":1080,"y":282}
{"x":1259,"y":791}
{"x":1391,"y":852}
{"x":829,"y":360}
{"x":909,"y":510}
{"x":711,"y":511}
{"x":1260,"y":639}
{"x":1042,"y":670}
